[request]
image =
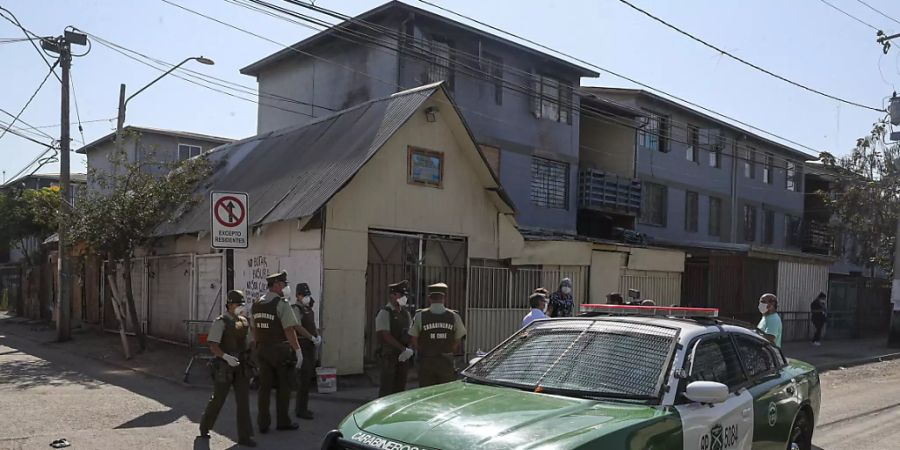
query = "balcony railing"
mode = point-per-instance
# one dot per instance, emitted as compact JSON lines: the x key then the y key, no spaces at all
{"x":608,"y":192}
{"x":817,"y":238}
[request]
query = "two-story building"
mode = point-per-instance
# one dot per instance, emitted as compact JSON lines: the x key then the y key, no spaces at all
{"x":519,"y":102}
{"x":155,"y":145}
{"x":732,"y":199}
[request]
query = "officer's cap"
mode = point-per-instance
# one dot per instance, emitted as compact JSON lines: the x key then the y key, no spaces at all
{"x":303,"y":289}
{"x":236,"y":296}
{"x":438,"y":289}
{"x":399,"y":288}
{"x":277,"y":276}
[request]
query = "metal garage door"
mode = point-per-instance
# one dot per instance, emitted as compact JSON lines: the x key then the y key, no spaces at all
{"x":209,"y":287}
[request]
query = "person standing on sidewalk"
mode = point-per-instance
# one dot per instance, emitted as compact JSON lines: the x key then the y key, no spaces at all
{"x":435,"y":335}
{"x":392,"y":327}
{"x":278,"y":352}
{"x":229,"y":339}
{"x":562,"y":304}
{"x":538,"y":304}
{"x":309,"y":340}
{"x":770,"y":324}
{"x":818,"y":316}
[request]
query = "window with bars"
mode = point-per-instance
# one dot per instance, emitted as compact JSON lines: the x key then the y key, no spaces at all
{"x":186,"y":151}
{"x":494,"y":71}
{"x":691,"y":211}
{"x":549,"y":183}
{"x":551,"y":99}
{"x":749,"y":223}
{"x":653,"y":204}
{"x":693,"y":149}
{"x":715,"y":216}
{"x":768,"y":227}
{"x":715,"y":153}
{"x":442,"y":66}
{"x":767,"y":169}
{"x":793,"y":177}
{"x":792,"y":230}
{"x":654,"y":135}
{"x":750,"y":163}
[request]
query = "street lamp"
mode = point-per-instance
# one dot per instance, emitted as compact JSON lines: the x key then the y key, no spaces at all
{"x":123,"y":102}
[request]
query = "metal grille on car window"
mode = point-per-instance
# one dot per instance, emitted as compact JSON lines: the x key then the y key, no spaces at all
{"x":757,"y":359}
{"x":586,"y":356}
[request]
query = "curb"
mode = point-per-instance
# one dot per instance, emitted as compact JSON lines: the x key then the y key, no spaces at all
{"x":827,"y":367}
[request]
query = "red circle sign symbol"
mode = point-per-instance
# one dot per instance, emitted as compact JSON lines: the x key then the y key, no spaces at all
{"x":229,"y":211}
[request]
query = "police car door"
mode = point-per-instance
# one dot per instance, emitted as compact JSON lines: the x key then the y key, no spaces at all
{"x":775,"y":393}
{"x":722,"y":426}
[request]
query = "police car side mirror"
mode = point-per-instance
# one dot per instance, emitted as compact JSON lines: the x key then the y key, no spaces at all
{"x":706,"y":392}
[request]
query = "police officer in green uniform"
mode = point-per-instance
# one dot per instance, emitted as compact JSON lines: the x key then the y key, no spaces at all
{"x":229,"y":336}
{"x":435,"y":334}
{"x":278,"y":352}
{"x":392,"y":327}
{"x":309,"y":340}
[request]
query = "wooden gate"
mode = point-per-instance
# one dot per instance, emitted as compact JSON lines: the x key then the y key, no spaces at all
{"x":420,"y":259}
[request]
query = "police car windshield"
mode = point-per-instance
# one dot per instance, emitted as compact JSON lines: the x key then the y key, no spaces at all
{"x":582,"y":357}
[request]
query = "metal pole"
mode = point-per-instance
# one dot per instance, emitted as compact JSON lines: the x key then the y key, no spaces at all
{"x":120,"y":120}
{"x":63,"y":316}
{"x":229,"y":269}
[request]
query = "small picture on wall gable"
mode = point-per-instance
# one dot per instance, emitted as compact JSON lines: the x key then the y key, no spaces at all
{"x":425,"y":167}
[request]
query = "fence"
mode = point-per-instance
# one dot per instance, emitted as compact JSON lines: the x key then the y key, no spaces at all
{"x":664,"y":288}
{"x":498,"y":299}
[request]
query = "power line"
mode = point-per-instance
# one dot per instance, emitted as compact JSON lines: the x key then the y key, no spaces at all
{"x":879,"y":12}
{"x":857,"y":19}
{"x":33,"y":95}
{"x":744,"y":61}
{"x":624,"y":77}
{"x":31,"y":38}
{"x":77,"y":111}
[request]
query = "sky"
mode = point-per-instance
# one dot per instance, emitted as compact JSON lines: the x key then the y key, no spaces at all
{"x":803,"y":40}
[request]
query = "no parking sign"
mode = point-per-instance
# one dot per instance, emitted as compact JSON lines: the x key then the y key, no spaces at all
{"x":228,"y":215}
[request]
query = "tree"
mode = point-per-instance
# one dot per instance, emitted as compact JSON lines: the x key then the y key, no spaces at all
{"x":120,"y":214}
{"x":865,"y":197}
{"x":27,"y":214}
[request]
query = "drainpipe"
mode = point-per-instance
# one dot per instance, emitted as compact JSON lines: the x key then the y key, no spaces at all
{"x":734,"y":197}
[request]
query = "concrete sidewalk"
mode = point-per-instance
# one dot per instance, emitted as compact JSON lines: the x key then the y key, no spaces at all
{"x":841,"y":353}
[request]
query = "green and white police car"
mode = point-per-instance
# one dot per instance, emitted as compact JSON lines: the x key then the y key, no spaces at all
{"x":664,"y":378}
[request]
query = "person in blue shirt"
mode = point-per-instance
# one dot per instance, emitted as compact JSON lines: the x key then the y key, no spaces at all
{"x":770,"y":324}
{"x":537,"y":302}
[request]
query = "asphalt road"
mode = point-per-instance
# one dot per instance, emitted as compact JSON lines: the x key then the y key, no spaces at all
{"x":47,"y":393}
{"x":860,"y":408}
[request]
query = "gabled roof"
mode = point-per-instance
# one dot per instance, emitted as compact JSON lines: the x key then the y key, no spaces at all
{"x":291,"y":173}
{"x":73,"y":178}
{"x":182,"y":134}
{"x":393,"y":6}
{"x":600,"y":91}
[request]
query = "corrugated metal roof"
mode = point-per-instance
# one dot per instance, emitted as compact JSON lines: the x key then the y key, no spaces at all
{"x":291,"y":173}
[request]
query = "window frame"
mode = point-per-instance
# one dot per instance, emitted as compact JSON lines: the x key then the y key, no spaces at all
{"x":410,"y":177}
{"x":691,"y":215}
{"x":767,"y":168}
{"x":749,"y":226}
{"x":656,"y":133}
{"x":664,"y":205}
{"x":692,"y":152}
{"x":688,"y":358}
{"x":768,"y":234}
{"x":190,"y":148}
{"x":548,"y":164}
{"x":715,"y":152}
{"x":792,"y":177}
{"x":750,"y":163}
{"x":793,"y":239}
{"x":494,"y":74}
{"x":433,"y":65}
{"x":768,"y":347}
{"x":718,"y":217}
{"x":561,"y":101}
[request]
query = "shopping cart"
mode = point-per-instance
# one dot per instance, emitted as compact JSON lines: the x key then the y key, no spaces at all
{"x":197,"y":331}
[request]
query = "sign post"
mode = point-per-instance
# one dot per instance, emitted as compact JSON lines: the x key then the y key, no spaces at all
{"x":229,"y":213}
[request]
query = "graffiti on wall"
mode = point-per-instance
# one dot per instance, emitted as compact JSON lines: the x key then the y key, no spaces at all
{"x":256,"y":269}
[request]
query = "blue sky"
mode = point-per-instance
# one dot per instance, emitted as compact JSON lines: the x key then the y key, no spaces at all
{"x":804,"y":40}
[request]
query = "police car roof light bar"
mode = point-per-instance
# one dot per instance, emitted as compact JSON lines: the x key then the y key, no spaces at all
{"x":665,"y":311}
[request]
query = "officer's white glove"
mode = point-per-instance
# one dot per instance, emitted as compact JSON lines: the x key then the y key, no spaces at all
{"x":299,"y":354}
{"x":317,"y":340}
{"x":231,"y":360}
{"x":405,"y":355}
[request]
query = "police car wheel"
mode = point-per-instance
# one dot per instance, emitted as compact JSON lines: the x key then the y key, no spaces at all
{"x":801,"y":432}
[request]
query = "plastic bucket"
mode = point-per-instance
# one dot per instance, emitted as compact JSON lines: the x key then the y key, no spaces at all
{"x":327,"y":379}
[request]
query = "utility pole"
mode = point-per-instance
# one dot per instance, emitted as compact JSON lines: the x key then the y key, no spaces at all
{"x":63,"y":46}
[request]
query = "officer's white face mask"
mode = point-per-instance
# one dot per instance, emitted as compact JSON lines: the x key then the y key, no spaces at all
{"x":566,"y":290}
{"x":286,"y":292}
{"x":304,"y":301}
{"x":402,"y":301}
{"x":763,"y":308}
{"x":240,"y":310}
